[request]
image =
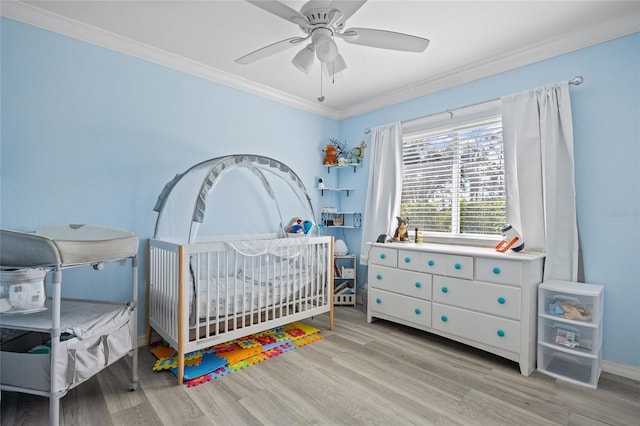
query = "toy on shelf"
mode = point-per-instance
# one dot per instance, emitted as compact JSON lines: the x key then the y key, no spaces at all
{"x":402,"y":233}
{"x":330,"y":155}
{"x":362,"y":146}
{"x":511,"y":239}
{"x":354,"y":156}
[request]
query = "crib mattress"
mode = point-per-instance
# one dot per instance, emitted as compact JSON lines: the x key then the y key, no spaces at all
{"x":65,"y":245}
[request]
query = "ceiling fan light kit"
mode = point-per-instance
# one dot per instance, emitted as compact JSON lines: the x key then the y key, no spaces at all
{"x":326,"y":49}
{"x":304,"y":59}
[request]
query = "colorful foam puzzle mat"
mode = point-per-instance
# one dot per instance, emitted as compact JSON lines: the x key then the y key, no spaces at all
{"x":217,"y":361}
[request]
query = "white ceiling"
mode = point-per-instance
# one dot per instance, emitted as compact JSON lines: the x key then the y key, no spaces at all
{"x":469,"y":40}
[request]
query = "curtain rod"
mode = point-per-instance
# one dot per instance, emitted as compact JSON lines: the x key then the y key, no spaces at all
{"x":577,"y":80}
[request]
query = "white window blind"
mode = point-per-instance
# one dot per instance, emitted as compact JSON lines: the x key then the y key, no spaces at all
{"x":453,"y":178}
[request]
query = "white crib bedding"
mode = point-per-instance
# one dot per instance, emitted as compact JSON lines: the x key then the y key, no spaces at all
{"x":247,"y":292}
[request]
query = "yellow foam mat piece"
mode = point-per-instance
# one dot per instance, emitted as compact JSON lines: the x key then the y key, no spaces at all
{"x":167,"y":358}
{"x":305,"y":340}
{"x":306,"y":328}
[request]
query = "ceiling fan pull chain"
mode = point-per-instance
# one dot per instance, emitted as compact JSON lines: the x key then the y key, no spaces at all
{"x":321,"y":98}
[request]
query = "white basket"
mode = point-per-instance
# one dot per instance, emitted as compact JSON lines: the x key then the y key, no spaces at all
{"x":348,"y":273}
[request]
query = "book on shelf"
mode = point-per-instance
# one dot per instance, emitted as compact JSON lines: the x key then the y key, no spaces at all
{"x":341,"y":287}
{"x":336,"y":269}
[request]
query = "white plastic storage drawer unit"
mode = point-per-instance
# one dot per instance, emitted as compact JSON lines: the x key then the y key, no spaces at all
{"x":570,"y":331}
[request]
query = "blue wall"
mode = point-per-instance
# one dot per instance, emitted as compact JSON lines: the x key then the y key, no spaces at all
{"x":91,"y":136}
{"x":606,"y":121}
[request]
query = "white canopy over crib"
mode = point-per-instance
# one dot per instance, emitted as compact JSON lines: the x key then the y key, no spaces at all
{"x":259,"y":193}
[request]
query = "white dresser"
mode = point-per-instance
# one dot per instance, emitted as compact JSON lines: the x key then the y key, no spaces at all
{"x":473,"y":295}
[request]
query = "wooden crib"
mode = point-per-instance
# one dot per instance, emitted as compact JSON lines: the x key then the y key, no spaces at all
{"x":206,"y":293}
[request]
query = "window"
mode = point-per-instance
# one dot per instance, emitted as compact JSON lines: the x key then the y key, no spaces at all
{"x":453,"y":183}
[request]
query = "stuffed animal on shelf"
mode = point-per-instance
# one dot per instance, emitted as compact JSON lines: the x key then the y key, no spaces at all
{"x":354,"y":156}
{"x":401,"y":233}
{"x":330,"y":155}
{"x":362,"y":146}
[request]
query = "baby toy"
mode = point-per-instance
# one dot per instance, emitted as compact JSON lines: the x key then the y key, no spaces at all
{"x":330,"y":155}
{"x":295,"y":226}
{"x":401,"y":233}
{"x":362,"y":146}
{"x":511,"y":239}
{"x":354,"y":156}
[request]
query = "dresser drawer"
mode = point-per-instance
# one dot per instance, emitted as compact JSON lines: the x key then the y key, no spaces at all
{"x":498,"y":332}
{"x":409,"y":283}
{"x":436,"y":263}
{"x":492,"y":299}
{"x":383,"y":256}
{"x":501,"y":271}
{"x":402,"y":307}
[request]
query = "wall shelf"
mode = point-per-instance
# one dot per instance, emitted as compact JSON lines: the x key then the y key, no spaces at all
{"x":335,"y":190}
{"x":355,"y":166}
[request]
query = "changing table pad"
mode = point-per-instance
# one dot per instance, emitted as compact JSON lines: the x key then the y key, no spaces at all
{"x":65,"y":245}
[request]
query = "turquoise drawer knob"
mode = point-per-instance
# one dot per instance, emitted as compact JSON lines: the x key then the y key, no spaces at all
{"x":445,"y":290}
{"x":378,"y":300}
{"x":444,"y":318}
{"x":501,"y":300}
{"x":501,"y":333}
{"x":407,"y":260}
{"x":457,"y":266}
{"x":496,"y":270}
{"x":382,"y":255}
{"x":379,"y":276}
{"x":418,"y":285}
{"x":431,"y":263}
{"x":418,"y":311}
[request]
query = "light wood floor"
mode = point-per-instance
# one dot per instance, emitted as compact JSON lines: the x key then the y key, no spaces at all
{"x":359,"y":374}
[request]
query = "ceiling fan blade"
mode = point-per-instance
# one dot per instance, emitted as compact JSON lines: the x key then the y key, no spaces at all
{"x":272,"y":49}
{"x":333,"y":68}
{"x":384,"y":39}
{"x":347,"y":7}
{"x":281,"y":10}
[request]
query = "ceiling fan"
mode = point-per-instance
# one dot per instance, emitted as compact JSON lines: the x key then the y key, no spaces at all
{"x":322,"y":21}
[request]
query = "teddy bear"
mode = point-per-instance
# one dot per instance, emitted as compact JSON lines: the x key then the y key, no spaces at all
{"x":330,"y":155}
{"x":354,"y":157}
{"x":401,"y":233}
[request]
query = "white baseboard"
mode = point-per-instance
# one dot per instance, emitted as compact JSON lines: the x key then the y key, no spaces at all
{"x":623,"y":370}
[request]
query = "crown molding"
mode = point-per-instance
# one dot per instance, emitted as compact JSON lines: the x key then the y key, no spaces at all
{"x":570,"y":42}
{"x":50,"y":21}
{"x":585,"y":37}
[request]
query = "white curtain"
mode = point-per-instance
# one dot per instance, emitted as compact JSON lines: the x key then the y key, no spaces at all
{"x":538,"y":149}
{"x":384,"y":188}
